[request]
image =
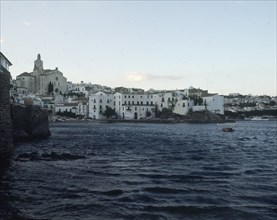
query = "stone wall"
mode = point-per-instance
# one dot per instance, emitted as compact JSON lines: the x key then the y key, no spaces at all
{"x":5,"y":119}
{"x":29,"y":122}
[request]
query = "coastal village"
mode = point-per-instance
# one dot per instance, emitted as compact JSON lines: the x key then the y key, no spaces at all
{"x":49,"y":89}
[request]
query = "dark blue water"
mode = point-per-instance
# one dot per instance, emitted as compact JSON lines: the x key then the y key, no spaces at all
{"x":144,"y":171}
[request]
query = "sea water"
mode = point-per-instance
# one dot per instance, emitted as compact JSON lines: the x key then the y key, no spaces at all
{"x":144,"y":171}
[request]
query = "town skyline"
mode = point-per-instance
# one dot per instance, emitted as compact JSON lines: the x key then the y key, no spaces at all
{"x":222,"y":47}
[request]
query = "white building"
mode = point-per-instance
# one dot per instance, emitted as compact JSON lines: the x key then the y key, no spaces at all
{"x":182,"y":107}
{"x":98,"y":104}
{"x":137,"y":106}
{"x":66,"y":108}
{"x":214,"y":103}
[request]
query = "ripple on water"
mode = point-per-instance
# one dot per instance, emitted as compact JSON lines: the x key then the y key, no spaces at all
{"x":144,"y":171}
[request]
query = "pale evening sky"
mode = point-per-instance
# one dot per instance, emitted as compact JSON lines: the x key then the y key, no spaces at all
{"x":225,"y":46}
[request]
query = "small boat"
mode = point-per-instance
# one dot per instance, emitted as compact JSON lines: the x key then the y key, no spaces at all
{"x":264,"y":118}
{"x":228,"y":129}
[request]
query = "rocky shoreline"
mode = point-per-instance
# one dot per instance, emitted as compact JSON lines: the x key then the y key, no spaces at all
{"x":195,"y":117}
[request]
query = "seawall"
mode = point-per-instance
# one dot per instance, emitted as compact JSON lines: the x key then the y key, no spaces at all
{"x":29,"y":122}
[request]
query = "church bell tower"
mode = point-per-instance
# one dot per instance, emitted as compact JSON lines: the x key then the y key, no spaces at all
{"x":38,"y":68}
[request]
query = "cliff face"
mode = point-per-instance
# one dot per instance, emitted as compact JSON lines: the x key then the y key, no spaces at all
{"x":29,"y":122}
{"x":6,"y":145}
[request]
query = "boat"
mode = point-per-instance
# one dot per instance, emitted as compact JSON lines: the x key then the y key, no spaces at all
{"x":260,"y":118}
{"x":228,"y":129}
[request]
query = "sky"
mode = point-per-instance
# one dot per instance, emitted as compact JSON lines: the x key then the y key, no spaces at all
{"x":223,"y":46}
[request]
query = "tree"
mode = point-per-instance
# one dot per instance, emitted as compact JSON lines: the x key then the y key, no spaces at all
{"x":166,"y":113}
{"x":109,"y":112}
{"x":50,"y":87}
{"x":148,"y":114}
{"x":272,"y":103}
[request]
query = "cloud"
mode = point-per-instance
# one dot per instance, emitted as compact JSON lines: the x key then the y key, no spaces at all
{"x":1,"y":40}
{"x":26,"y":23}
{"x":137,"y":77}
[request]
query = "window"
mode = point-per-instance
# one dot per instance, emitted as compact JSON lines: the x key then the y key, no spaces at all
{"x":57,"y":78}
{"x":151,"y":103}
{"x":94,"y":101}
{"x":133,"y":102}
{"x":129,"y":102}
{"x":184,"y":105}
{"x":135,"y":108}
{"x":162,"y":105}
{"x":147,"y":103}
{"x":100,"y":100}
{"x":133,"y":97}
{"x":128,"y":96}
{"x":108,"y":101}
{"x":100,"y":106}
{"x":141,"y":102}
{"x":138,"y":102}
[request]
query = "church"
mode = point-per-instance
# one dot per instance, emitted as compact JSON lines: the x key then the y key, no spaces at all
{"x":41,"y":81}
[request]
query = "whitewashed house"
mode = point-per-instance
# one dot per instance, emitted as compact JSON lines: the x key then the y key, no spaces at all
{"x":137,"y":106}
{"x":144,"y":105}
{"x":214,"y":103}
{"x":182,"y":107}
{"x":98,"y":103}
{"x":66,"y":107}
{"x":82,"y":108}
